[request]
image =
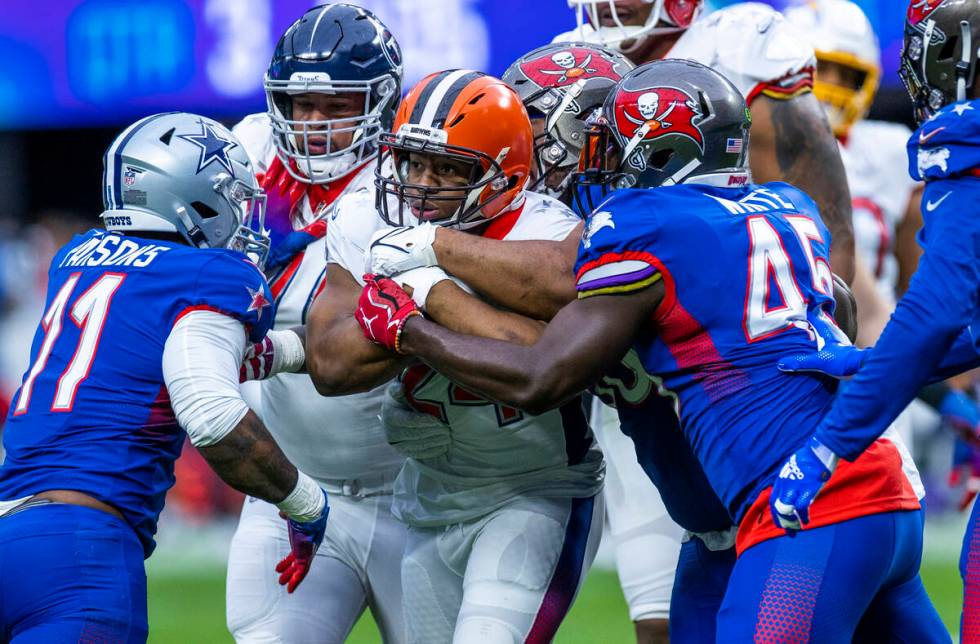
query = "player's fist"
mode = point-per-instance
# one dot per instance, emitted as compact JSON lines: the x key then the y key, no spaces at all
{"x":396,"y":250}
{"x":382,"y":311}
{"x":305,"y":538}
{"x":798,"y":484}
{"x":258,"y":361}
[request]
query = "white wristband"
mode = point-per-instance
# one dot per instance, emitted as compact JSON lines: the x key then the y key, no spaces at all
{"x":306,"y":502}
{"x":289,"y":354}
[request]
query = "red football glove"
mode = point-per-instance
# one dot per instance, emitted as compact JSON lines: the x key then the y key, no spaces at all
{"x":257,"y":364}
{"x":383,"y":310}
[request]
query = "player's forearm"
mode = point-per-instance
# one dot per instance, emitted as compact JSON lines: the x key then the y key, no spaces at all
{"x":792,"y":142}
{"x":249,"y":460}
{"x":534,"y":278}
{"x":940,"y":303}
{"x":511,"y":374}
{"x":341,"y":361}
{"x":457,"y":310}
{"x":872,"y":309}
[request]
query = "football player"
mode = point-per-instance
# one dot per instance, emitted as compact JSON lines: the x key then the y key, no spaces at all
{"x":647,"y":541}
{"x":771,"y":64}
{"x":939,"y":66}
{"x":142,"y":339}
{"x":712,"y":333}
{"x":502,"y":509}
{"x":885,"y":200}
{"x":332,"y":86}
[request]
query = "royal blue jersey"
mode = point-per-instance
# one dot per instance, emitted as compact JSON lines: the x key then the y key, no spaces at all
{"x":92,"y":413}
{"x":747,"y":274}
{"x":943,"y":295}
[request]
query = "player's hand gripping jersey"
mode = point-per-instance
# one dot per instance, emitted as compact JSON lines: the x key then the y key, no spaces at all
{"x":716,"y":347}
{"x":93,"y":413}
{"x":749,"y":43}
{"x":496,"y":452}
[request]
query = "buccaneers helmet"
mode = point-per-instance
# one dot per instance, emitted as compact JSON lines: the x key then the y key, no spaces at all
{"x":468,"y":116}
{"x":666,"y":16}
{"x":562,"y":84}
{"x":667,"y":122}
{"x":333,"y":49}
{"x":940,"y":52}
{"x":841,"y":34}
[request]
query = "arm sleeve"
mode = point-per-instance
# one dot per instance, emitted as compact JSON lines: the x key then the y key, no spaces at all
{"x":940,"y":303}
{"x":201,"y":361}
{"x":353,"y":222}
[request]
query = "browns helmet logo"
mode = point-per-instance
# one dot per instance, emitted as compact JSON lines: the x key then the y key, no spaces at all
{"x":567,"y":66}
{"x":664,"y":110}
{"x":919,"y":10}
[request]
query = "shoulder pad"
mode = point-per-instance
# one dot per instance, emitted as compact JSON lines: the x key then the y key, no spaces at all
{"x":752,"y":45}
{"x":544,"y":218}
{"x":255,"y":133}
{"x":948,"y":144}
{"x":352,"y":222}
{"x":229,"y":283}
{"x":614,"y":254}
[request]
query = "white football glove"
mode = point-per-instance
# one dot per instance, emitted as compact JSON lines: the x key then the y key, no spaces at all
{"x":421,"y":280}
{"x":414,"y":434}
{"x":396,"y":250}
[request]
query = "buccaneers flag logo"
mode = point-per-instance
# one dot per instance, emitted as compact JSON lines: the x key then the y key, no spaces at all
{"x":664,"y":110}
{"x":920,"y":10}
{"x":568,"y":66}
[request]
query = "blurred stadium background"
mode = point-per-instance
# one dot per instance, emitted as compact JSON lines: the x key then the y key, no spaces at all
{"x":82,"y":69}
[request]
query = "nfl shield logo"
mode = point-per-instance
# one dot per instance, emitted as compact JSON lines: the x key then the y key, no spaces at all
{"x":129,"y":177}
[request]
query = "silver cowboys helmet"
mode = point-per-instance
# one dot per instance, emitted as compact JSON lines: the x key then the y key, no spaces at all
{"x":185,"y":174}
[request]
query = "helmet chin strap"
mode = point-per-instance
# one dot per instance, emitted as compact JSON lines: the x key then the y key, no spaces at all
{"x":966,"y":67}
{"x":683,"y":173}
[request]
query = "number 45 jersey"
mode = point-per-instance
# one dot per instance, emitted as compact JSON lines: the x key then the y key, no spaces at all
{"x":92,"y":413}
{"x":747,"y":280}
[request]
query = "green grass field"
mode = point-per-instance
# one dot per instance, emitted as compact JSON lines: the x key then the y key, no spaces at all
{"x":189,"y":606}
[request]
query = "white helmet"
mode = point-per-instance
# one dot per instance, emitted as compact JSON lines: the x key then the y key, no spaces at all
{"x":666,"y":16}
{"x":840,"y":33}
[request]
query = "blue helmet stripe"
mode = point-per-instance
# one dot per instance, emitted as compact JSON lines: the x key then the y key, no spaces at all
{"x":113,"y":170}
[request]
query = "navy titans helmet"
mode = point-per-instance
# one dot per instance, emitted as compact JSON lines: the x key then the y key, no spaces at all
{"x":333,"y":49}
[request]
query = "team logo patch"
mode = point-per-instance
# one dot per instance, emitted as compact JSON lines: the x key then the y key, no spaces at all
{"x":259,"y":301}
{"x":595,"y":223}
{"x":568,"y":66}
{"x":920,"y":10}
{"x":665,"y":110}
{"x":933,"y":158}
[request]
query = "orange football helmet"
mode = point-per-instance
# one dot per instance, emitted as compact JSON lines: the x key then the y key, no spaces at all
{"x":468,"y":116}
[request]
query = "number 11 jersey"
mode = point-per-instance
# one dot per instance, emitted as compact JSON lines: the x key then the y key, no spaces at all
{"x":92,"y":413}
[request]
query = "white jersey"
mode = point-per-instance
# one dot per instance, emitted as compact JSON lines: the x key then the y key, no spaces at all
{"x":877,"y":172}
{"x":497,"y":453}
{"x":751,"y":44}
{"x":331,"y":439}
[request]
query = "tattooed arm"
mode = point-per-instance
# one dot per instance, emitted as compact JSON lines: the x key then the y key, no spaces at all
{"x":249,"y":460}
{"x":791,"y":141}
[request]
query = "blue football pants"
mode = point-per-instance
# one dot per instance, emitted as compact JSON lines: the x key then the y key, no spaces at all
{"x":856,"y":580}
{"x":70,"y":574}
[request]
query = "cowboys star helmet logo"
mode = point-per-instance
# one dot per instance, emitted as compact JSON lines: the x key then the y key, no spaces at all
{"x":663,"y":110}
{"x":212,"y":147}
{"x":920,"y":10}
{"x":568,"y":66}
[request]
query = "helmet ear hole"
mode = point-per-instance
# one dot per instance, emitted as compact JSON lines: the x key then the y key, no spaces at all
{"x":659,"y":159}
{"x":204,"y":210}
{"x":949,"y":48}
